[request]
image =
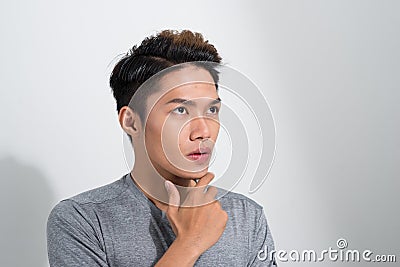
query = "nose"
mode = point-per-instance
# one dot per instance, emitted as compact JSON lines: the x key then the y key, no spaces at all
{"x":200,"y":128}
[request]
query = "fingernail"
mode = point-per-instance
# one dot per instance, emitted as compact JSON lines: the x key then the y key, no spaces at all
{"x":167,"y":185}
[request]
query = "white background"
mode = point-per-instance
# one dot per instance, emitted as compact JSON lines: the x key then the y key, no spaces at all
{"x":329,"y":70}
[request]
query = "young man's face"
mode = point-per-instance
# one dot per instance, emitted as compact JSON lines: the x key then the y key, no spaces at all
{"x":183,"y":123}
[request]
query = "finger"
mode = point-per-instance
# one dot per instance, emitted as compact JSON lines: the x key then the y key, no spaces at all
{"x":205,"y":180}
{"x":200,"y":198}
{"x":173,"y":197}
{"x":212,"y":192}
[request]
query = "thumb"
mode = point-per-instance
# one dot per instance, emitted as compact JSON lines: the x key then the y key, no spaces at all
{"x":173,"y":196}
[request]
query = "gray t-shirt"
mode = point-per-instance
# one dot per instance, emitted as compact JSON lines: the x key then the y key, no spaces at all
{"x":117,"y":225}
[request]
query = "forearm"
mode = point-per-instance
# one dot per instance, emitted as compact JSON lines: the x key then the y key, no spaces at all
{"x":178,"y":252}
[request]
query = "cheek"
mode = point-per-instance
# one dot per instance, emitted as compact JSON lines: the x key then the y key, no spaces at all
{"x":174,"y":131}
{"x":153,"y":136}
{"x":183,"y":137}
{"x":171,"y":138}
{"x":217,"y":132}
{"x":214,"y":127}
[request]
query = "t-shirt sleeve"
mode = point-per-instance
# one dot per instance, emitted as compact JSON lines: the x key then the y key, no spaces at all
{"x":262,"y":245}
{"x":72,"y":239}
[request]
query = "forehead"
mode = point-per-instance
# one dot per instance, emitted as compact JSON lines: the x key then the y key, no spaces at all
{"x":188,"y":83}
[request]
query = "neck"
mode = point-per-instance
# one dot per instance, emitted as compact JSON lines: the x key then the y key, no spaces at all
{"x":151,"y":182}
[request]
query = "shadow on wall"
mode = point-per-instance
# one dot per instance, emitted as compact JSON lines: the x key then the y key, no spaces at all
{"x":25,"y":202}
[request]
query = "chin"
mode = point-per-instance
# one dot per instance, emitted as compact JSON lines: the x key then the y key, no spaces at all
{"x":192,"y":175}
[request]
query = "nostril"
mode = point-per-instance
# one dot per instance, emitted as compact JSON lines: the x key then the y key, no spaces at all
{"x":200,"y":129}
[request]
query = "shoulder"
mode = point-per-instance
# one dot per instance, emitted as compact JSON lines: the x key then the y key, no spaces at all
{"x":237,"y":200}
{"x":241,"y":208}
{"x":103,"y":193}
{"x":233,"y":197}
{"x":82,"y":207}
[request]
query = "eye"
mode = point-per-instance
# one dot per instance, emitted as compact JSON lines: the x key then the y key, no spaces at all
{"x":213,"y":110}
{"x":180,"y":110}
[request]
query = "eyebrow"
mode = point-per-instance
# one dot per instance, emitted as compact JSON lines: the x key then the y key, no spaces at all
{"x":191,"y":102}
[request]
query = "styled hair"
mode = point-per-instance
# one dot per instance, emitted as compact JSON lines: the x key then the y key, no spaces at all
{"x":154,"y":54}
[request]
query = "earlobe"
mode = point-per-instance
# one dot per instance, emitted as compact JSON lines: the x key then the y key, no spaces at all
{"x":129,"y":121}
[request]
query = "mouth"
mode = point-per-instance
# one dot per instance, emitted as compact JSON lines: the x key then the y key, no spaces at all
{"x":200,"y":155}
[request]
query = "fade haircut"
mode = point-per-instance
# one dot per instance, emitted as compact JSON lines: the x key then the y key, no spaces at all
{"x":156,"y":53}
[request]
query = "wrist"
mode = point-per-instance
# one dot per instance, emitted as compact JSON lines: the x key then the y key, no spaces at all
{"x":190,"y":249}
{"x":179,"y":251}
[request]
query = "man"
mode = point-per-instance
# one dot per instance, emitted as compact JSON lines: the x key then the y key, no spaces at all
{"x":164,"y":212}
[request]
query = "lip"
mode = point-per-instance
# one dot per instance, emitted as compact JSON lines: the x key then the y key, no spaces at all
{"x":200,"y":155}
{"x":201,"y":150}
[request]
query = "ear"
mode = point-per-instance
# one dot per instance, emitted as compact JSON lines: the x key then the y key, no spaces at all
{"x":129,"y":121}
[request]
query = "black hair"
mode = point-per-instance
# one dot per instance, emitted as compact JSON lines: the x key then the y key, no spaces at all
{"x":154,"y":54}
